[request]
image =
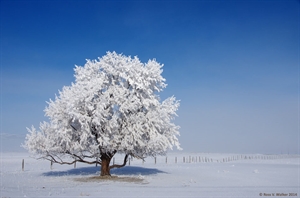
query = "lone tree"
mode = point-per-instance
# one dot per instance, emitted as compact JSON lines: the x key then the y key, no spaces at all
{"x":113,"y":107}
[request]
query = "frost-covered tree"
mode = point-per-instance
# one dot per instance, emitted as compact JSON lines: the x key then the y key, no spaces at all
{"x":113,"y":107}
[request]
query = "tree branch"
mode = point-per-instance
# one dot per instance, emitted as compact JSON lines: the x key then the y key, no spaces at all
{"x":120,"y":166}
{"x":77,"y":158}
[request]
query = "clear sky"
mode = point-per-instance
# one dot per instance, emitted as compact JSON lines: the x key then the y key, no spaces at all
{"x":233,"y":64}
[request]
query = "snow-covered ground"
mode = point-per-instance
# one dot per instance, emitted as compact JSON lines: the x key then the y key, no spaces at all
{"x":222,"y":175}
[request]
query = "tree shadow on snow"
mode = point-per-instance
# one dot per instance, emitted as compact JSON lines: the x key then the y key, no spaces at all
{"x":127,"y":170}
{"x":135,"y":170}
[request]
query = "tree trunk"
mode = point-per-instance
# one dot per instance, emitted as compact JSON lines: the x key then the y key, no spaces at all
{"x":105,"y":161}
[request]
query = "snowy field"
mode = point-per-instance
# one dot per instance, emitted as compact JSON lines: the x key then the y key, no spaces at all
{"x":201,"y":175}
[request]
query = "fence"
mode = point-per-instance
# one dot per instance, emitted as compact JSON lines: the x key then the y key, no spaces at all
{"x":205,"y":159}
{"x":195,"y":159}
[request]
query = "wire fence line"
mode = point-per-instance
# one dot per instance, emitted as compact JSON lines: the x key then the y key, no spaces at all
{"x":188,"y":159}
{"x":206,"y":159}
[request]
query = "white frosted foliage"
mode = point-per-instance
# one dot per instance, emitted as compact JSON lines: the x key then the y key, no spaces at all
{"x":113,"y":106}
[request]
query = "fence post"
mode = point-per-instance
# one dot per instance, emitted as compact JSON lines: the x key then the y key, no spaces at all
{"x":75,"y":165}
{"x":175,"y":160}
{"x":166,"y":159}
{"x":154,"y":160}
{"x":23,"y":165}
{"x":51,"y":163}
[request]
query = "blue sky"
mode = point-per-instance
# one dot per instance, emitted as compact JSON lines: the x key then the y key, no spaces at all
{"x":233,"y":64}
